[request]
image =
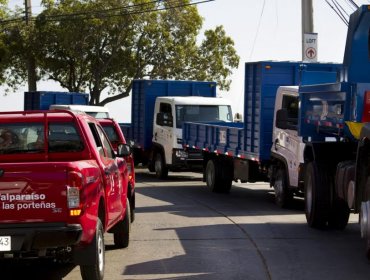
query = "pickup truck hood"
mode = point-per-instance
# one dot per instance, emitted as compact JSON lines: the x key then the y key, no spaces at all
{"x":33,"y":192}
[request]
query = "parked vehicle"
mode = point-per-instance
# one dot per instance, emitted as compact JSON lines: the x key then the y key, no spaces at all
{"x":159,"y":107}
{"x":337,"y":171}
{"x":242,"y":151}
{"x":115,"y":136}
{"x":61,"y":188}
{"x":320,"y":142}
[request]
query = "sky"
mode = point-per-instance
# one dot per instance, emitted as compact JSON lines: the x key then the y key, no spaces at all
{"x":261,"y":30}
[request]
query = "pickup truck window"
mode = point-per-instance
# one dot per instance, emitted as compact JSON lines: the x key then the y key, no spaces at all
{"x":63,"y":137}
{"x":29,"y":138}
{"x":112,"y":134}
{"x":101,"y":142}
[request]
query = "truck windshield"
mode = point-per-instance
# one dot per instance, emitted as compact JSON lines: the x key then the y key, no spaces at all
{"x":202,"y":113}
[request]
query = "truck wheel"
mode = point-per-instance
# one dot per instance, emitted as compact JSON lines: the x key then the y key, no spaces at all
{"x":227,"y":176}
{"x":283,"y":196}
{"x":339,"y":214}
{"x":121,"y":234}
{"x":132,"y":207}
{"x":317,"y":195}
{"x":161,"y":170}
{"x":96,"y":271}
{"x":212,"y":176}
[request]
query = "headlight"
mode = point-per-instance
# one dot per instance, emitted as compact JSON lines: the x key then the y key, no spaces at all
{"x":181,"y":154}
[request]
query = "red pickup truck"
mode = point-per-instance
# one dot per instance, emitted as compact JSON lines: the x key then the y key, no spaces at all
{"x":116,"y":137}
{"x":62,"y":187}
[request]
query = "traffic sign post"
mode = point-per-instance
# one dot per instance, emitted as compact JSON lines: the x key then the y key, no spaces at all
{"x":310,"y":47}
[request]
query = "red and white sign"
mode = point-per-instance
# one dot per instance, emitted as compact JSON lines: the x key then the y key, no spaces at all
{"x":310,"y":47}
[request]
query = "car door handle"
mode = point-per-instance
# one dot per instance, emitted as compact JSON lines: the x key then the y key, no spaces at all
{"x":276,"y":143}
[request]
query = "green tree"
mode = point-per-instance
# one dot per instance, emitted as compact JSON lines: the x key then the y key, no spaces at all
{"x":102,"y":45}
{"x":11,"y":66}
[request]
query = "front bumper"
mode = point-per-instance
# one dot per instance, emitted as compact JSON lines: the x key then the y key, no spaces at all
{"x":186,"y":159}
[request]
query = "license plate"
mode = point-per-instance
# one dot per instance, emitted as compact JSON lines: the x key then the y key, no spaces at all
{"x":5,"y":243}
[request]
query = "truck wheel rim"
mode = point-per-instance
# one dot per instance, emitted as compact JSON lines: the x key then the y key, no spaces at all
{"x":278,"y":187}
{"x":210,"y":176}
{"x":308,"y":195}
{"x":100,"y":253}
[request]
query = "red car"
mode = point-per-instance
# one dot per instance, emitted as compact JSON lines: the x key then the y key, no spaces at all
{"x":116,"y":137}
{"x":62,"y":187}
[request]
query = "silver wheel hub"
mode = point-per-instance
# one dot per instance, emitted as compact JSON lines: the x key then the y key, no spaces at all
{"x":364,"y":219}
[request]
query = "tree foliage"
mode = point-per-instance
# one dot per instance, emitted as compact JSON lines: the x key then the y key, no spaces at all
{"x":102,"y":45}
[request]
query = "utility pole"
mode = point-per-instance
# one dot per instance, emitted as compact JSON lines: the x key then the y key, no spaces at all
{"x":31,"y":64}
{"x":309,"y":38}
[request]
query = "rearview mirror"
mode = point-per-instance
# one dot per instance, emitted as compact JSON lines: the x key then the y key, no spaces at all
{"x":123,"y":150}
{"x":164,"y":119}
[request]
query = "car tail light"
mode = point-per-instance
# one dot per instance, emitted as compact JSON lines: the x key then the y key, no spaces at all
{"x":366,"y":112}
{"x":129,"y":169}
{"x":75,"y":183}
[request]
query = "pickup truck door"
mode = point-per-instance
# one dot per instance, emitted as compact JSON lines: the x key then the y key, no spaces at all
{"x":111,"y":177}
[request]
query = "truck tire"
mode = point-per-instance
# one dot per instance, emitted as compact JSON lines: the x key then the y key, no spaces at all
{"x":96,"y":271}
{"x":121,"y":234}
{"x":339,"y":214}
{"x":161,"y":170}
{"x":283,"y":196}
{"x":317,"y":195}
{"x":212,"y":176}
{"x":227,"y":176}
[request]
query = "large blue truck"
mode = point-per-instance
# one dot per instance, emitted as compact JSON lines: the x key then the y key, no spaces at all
{"x":315,"y":137}
{"x":242,"y":151}
{"x":159,"y":107}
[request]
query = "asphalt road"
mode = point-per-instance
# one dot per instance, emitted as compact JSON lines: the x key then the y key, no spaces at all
{"x":184,"y":231}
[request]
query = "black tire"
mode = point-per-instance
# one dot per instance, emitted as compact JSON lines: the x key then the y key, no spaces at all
{"x":283,"y":196}
{"x":218,"y":179}
{"x":212,"y":176}
{"x":339,"y":214}
{"x":161,"y":170}
{"x":121,"y":234}
{"x":227,"y":176}
{"x":96,"y":271}
{"x":132,"y":207}
{"x":317,"y":195}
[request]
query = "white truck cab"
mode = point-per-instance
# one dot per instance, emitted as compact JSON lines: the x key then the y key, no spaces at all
{"x":169,"y":115}
{"x":287,"y":149}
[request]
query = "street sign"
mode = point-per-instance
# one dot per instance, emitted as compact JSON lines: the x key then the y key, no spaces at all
{"x":310,"y":47}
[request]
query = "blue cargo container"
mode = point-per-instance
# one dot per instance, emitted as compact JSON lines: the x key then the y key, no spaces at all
{"x":41,"y":100}
{"x":144,"y":94}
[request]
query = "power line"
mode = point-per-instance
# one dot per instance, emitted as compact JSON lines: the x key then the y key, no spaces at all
{"x":117,"y":11}
{"x":337,"y":10}
{"x":258,"y":27}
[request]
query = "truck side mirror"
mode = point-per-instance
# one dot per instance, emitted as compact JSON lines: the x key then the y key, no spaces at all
{"x":282,"y":119}
{"x":164,"y":119}
{"x":123,"y":150}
